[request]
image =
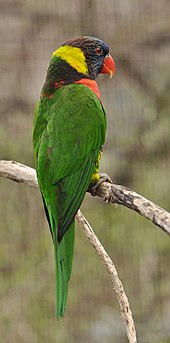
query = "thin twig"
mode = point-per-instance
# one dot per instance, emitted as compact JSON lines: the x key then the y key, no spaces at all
{"x":20,"y":173}
{"x":126,"y":313}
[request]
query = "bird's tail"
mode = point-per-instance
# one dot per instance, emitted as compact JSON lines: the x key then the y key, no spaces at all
{"x":63,"y":251}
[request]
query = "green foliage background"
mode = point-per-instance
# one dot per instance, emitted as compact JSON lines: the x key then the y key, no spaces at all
{"x":136,"y":154}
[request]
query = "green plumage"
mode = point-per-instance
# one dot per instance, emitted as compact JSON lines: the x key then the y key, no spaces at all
{"x":69,"y":130}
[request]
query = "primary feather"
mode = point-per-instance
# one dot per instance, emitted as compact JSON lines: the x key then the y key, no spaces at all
{"x":69,"y":131}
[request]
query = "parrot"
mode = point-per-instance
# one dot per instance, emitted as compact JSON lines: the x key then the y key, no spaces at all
{"x":69,"y":131}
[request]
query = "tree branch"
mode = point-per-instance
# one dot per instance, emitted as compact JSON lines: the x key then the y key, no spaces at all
{"x":109,"y":192}
{"x":125,"y":196}
{"x":18,"y":172}
{"x":117,"y":194}
{"x":23,"y":174}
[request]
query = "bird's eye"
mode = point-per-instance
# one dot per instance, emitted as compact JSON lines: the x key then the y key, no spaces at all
{"x":99,"y":50}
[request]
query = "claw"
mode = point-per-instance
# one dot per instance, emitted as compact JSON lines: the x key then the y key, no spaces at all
{"x":103,"y":178}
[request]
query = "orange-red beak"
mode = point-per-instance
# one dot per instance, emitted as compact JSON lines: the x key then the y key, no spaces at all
{"x":108,"y":66}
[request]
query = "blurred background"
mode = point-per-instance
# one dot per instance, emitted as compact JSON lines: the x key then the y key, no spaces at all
{"x":136,"y":155}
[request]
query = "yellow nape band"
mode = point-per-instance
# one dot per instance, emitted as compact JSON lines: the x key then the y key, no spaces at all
{"x":74,"y":56}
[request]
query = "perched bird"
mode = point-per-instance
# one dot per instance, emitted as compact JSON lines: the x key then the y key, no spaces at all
{"x":68,"y":134}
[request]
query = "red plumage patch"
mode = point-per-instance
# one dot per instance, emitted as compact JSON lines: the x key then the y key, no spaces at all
{"x":92,"y":84}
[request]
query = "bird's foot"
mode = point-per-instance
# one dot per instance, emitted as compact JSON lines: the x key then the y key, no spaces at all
{"x":103,"y":178}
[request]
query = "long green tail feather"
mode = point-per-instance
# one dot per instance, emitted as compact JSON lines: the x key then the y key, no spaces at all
{"x":63,"y":252}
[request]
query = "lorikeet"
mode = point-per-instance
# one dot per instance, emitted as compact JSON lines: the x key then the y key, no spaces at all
{"x":69,"y":131}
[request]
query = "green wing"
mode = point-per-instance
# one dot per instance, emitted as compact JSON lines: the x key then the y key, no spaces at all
{"x":69,"y":130}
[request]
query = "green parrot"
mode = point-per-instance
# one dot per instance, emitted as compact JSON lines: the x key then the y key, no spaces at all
{"x":68,"y":134}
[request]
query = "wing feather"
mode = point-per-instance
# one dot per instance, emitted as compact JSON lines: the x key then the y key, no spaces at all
{"x":68,"y":149}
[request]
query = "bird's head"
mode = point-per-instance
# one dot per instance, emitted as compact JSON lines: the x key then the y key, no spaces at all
{"x":87,"y":55}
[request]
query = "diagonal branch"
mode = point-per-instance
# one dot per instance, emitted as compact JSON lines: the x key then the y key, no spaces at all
{"x":126,"y":313}
{"x":125,"y":196}
{"x":23,"y":174}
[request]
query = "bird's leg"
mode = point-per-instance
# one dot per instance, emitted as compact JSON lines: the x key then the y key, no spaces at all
{"x":100,"y":178}
{"x":103,"y":177}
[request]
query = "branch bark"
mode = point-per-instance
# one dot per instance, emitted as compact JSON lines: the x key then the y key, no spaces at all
{"x":109,"y":192}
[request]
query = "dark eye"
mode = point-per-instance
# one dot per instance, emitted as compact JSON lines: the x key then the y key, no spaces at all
{"x":99,"y":50}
